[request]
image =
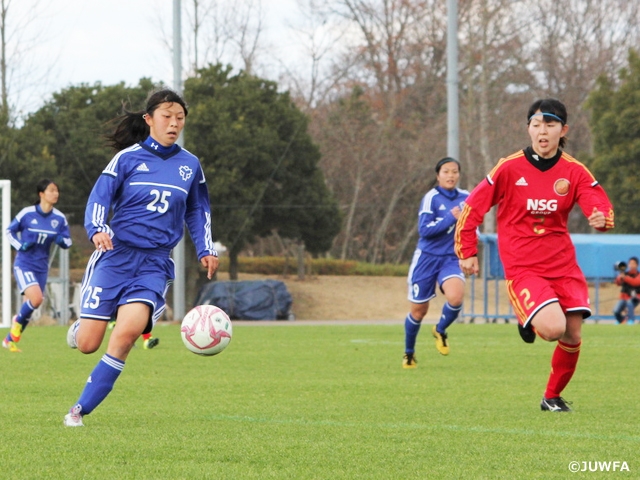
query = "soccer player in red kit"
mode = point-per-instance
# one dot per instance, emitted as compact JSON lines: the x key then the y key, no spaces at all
{"x":535,"y":189}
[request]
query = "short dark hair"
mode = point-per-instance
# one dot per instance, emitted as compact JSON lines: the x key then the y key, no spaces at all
{"x":41,"y":186}
{"x":444,"y":160}
{"x":635,"y":259}
{"x":165,"y":95}
{"x":554,"y":107}
{"x":552,"y":110}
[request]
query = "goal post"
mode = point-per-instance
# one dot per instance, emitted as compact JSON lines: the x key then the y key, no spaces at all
{"x":5,"y":186}
{"x":57,"y":303}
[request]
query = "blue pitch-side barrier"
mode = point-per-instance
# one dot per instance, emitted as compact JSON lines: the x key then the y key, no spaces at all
{"x":596,"y":254}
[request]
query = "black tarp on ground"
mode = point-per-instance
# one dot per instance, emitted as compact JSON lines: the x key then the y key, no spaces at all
{"x":249,"y":300}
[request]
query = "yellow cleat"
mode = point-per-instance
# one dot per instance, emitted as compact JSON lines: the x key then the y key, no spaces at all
{"x":16,"y":330}
{"x":11,"y":346}
{"x":409,"y":361}
{"x":441,"y":341}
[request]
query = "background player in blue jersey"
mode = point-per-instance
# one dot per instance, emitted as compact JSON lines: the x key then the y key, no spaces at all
{"x":435,"y":261}
{"x":31,"y":233}
{"x":153,"y":187}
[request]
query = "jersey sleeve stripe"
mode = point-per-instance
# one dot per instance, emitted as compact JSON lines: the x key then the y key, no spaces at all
{"x":570,"y":159}
{"x":62,"y":215}
{"x":24,"y":211}
{"x":501,"y":162}
{"x":98,"y":219}
{"x":208,"y":240}
{"x":110,"y":169}
{"x":97,"y":216}
{"x":609,"y":220}
{"x":15,"y":243}
{"x":458,"y":232}
{"x":427,"y":200}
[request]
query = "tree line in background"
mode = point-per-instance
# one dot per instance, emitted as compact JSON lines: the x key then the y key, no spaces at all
{"x":259,"y":160}
{"x":337,"y":154}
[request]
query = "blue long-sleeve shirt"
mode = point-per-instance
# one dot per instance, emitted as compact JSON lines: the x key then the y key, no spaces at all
{"x":436,"y":223}
{"x":153,"y":191}
{"x":34,"y":228}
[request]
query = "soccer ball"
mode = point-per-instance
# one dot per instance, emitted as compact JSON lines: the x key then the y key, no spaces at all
{"x":206,"y":330}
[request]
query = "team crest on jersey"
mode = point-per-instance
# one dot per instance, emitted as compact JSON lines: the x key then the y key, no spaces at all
{"x":561,"y":187}
{"x":55,"y":223}
{"x":185,"y":172}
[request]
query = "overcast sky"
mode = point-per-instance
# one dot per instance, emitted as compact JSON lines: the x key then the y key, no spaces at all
{"x":109,"y":41}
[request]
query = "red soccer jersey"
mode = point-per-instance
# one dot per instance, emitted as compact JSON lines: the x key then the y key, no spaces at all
{"x":533,"y":207}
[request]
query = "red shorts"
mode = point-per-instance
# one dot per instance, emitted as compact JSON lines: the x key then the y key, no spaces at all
{"x":529,"y":293}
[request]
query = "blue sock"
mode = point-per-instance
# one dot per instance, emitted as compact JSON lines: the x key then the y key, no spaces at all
{"x":100,"y":383}
{"x":449,"y":315}
{"x":411,"y":329}
{"x":24,"y":315}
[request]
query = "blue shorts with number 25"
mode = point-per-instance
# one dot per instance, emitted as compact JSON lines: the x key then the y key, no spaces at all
{"x":125,"y":275}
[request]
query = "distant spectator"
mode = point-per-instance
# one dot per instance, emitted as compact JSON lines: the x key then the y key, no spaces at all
{"x":629,"y":281}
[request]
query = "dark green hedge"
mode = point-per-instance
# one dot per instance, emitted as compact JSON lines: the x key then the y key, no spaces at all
{"x":316,"y":266}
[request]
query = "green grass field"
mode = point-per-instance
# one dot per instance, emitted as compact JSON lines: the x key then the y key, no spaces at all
{"x":295,"y":401}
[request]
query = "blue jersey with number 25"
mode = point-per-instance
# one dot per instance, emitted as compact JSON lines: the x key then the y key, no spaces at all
{"x":152,"y":195}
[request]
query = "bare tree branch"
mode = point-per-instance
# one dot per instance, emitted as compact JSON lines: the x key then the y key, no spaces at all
{"x":18,"y":38}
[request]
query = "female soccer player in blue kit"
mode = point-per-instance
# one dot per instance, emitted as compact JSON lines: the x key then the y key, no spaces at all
{"x":435,"y":261}
{"x":154,"y":187}
{"x":31,"y":233}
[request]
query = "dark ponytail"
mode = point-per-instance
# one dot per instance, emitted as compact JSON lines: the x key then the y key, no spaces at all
{"x":132,"y":128}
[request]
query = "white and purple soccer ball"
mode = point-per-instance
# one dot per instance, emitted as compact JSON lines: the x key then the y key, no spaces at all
{"x":206,"y":330}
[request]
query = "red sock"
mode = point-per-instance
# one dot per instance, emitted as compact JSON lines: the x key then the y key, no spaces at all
{"x":146,"y":336}
{"x":563,"y":364}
